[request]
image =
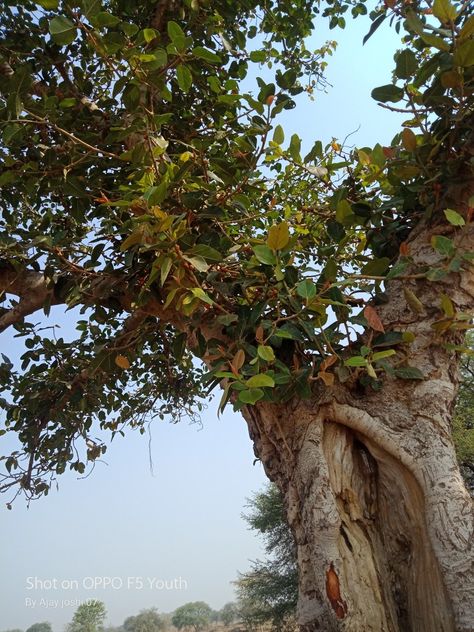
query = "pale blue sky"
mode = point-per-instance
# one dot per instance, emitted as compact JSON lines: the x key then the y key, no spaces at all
{"x":183,"y":522}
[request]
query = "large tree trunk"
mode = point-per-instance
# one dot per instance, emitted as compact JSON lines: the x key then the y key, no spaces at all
{"x":383,"y":523}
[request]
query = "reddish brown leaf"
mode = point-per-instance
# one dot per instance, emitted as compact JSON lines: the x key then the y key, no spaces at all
{"x":122,"y":362}
{"x":237,"y":362}
{"x":327,"y":362}
{"x":327,"y":378}
{"x":373,"y":319}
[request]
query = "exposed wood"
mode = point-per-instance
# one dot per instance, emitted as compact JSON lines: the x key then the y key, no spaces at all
{"x":383,"y":523}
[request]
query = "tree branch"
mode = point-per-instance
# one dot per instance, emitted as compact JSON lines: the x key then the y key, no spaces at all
{"x":31,"y":287}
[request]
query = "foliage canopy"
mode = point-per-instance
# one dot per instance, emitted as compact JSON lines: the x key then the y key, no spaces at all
{"x":195,"y":615}
{"x":268,"y":593}
{"x":146,"y":621}
{"x":145,"y":187}
{"x":40,"y":627}
{"x":89,"y":617}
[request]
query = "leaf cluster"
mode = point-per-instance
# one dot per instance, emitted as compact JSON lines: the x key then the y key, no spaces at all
{"x":156,"y":195}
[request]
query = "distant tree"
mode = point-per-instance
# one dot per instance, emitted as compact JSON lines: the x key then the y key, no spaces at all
{"x":269,"y":591}
{"x":147,"y":621}
{"x":195,"y":615}
{"x":89,"y":617}
{"x":228,"y":613}
{"x":215,"y":616}
{"x":40,"y":627}
{"x":463,"y":421}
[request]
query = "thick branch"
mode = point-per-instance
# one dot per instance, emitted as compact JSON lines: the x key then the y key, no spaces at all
{"x":31,"y":287}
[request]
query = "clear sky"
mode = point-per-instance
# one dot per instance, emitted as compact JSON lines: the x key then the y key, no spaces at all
{"x":183,"y":524}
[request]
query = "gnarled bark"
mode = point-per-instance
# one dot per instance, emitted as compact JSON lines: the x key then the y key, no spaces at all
{"x":384,"y":532}
{"x":383,"y":523}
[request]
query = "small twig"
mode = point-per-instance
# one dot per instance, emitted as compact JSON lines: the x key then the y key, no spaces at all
{"x":75,"y":139}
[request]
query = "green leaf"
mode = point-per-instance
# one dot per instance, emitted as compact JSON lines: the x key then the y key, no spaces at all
{"x":454,"y":218}
{"x":374,"y":26}
{"x":197,"y":262}
{"x":436,"y":274}
{"x":251,"y":395}
{"x":289,"y":332}
{"x":149,"y":35}
{"x":227,"y":319}
{"x":409,"y":373}
{"x":397,"y":270}
{"x":68,"y":103}
{"x":413,"y":22}
{"x":295,"y":148}
{"x":330,"y":270}
{"x":264,"y":255}
{"x":437,"y":42}
{"x":444,"y":11}
{"x":279,"y":135}
{"x":184,"y":77}
{"x":388,"y":93}
{"x":377,"y":267}
{"x":132,"y":240}
{"x":206,"y":252}
{"x":49,"y":5}
{"x":467,"y":29}
{"x":379,"y":355}
{"x":356,"y":361}
{"x":409,"y":141}
{"x":306,"y":289}
{"x":447,"y":306}
{"x":267,"y":90}
{"x":344,"y":213}
{"x":464,"y":54}
{"x":103,"y":18}
{"x":413,"y":301}
{"x":278,"y":236}
{"x":266,"y":353}
{"x":409,"y":337}
{"x":206,"y":55}
{"x":407,"y":64}
{"x":260,"y":380}
{"x":443,"y":245}
{"x":91,"y":7}
{"x":62,"y":30}
{"x":224,"y":399}
{"x":165,"y":269}
{"x":258,"y":56}
{"x":199,"y":293}
{"x":389,"y":339}
{"x":176,"y":34}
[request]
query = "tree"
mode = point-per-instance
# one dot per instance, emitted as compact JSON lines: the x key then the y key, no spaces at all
{"x":147,"y":621}
{"x":40,"y":627}
{"x":463,"y":422}
{"x":228,"y":613}
{"x":269,"y":591}
{"x":195,"y":615}
{"x":89,"y":617}
{"x":327,"y":294}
